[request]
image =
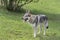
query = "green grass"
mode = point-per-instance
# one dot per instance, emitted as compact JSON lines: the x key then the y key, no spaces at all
{"x":12,"y":27}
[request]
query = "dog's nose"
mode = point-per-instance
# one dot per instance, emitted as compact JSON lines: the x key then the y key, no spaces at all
{"x":26,"y":19}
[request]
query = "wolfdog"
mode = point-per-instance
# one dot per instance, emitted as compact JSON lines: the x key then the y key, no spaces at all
{"x":35,"y":20}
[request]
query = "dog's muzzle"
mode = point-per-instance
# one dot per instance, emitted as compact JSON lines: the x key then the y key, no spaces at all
{"x":25,"y":19}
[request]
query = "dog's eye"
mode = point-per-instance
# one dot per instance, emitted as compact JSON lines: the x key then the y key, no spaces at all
{"x":26,"y":16}
{"x":29,"y":15}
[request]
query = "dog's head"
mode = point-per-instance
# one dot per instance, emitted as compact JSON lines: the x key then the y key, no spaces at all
{"x":26,"y":16}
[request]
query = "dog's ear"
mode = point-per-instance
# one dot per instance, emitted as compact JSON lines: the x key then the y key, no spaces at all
{"x":29,"y":14}
{"x":28,"y":11}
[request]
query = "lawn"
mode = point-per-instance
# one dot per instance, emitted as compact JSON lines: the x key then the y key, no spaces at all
{"x":12,"y":27}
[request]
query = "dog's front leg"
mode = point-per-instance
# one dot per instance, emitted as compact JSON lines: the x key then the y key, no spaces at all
{"x":35,"y":29}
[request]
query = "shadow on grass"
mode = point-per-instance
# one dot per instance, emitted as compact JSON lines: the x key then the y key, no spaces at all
{"x":49,"y":37}
{"x":19,"y":10}
{"x":51,"y":16}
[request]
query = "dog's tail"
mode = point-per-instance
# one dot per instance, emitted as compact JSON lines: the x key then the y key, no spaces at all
{"x":46,"y":23}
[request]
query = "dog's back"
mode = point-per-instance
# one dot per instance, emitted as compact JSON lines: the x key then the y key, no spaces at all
{"x":43,"y":19}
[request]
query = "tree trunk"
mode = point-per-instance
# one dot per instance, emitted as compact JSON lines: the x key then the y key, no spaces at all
{"x":17,"y":4}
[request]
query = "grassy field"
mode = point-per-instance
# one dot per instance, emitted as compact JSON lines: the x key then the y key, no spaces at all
{"x":12,"y":27}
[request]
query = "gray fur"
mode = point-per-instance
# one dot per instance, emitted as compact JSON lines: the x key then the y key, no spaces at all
{"x":35,"y":20}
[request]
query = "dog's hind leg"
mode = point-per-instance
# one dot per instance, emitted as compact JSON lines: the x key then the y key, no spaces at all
{"x":44,"y":30}
{"x":45,"y":26}
{"x":40,"y":27}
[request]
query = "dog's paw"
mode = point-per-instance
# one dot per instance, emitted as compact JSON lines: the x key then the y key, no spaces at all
{"x":43,"y":33}
{"x":34,"y":35}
